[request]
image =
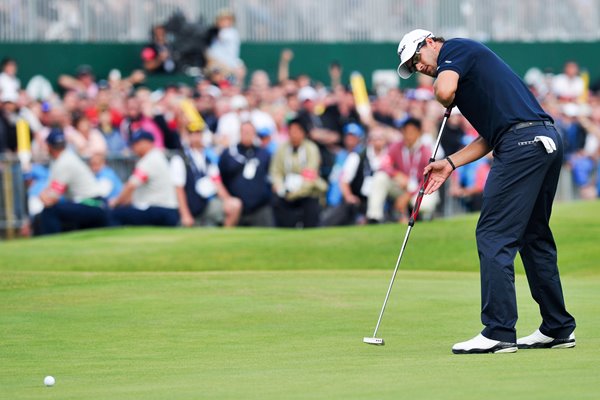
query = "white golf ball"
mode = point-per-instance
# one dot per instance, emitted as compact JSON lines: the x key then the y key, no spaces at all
{"x":49,"y":381}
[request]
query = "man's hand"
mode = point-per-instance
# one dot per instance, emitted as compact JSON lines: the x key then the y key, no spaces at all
{"x":352,"y":199}
{"x":439,"y":171}
{"x":187,"y":220}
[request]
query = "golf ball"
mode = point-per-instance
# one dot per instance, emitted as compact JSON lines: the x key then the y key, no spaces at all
{"x":49,"y":381}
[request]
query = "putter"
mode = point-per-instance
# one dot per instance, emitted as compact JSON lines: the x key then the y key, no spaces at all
{"x":411,"y":222}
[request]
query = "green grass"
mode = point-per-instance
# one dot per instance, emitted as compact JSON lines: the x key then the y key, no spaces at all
{"x":270,"y":314}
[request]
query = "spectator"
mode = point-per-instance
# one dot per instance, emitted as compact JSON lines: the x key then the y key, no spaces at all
{"x":148,"y":197}
{"x":115,"y":144}
{"x":86,"y":140}
{"x":109,"y":184}
{"x":224,"y":49}
{"x":245,"y":172}
{"x":228,"y":129}
{"x":84,"y":83}
{"x":136,"y":120}
{"x":296,"y":181}
{"x":327,"y":140}
{"x":568,"y":86}
{"x":9,"y":83}
{"x":400,"y":174}
{"x":354,"y":135}
{"x":357,"y":177}
{"x":342,"y":112}
{"x":156,"y":56}
{"x":8,"y":121}
{"x":203,"y":200}
{"x":71,"y":179}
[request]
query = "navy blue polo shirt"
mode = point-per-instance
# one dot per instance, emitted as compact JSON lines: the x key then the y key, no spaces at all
{"x":255,"y":191}
{"x":489,"y":94}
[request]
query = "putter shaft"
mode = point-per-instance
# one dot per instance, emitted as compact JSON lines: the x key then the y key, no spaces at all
{"x":410,"y":225}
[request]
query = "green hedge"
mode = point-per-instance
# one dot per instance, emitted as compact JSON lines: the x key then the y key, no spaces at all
{"x":52,"y":59}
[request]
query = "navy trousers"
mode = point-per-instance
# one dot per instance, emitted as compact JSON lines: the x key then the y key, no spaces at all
{"x":515,"y":216}
{"x":71,"y":216}
{"x":155,"y":216}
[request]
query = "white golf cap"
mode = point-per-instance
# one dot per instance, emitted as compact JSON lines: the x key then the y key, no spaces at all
{"x":407,"y":49}
{"x":307,"y":93}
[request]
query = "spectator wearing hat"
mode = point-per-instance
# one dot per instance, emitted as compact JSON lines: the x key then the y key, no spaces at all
{"x":296,"y":181}
{"x":245,"y":172}
{"x":72,"y":199}
{"x":265,"y":138}
{"x":148,"y":197}
{"x":202,"y":198}
{"x":357,"y":176}
{"x":354,"y":136}
{"x":400,"y":174}
{"x":327,"y":140}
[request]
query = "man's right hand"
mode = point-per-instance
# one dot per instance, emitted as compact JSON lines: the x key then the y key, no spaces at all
{"x":187,"y":220}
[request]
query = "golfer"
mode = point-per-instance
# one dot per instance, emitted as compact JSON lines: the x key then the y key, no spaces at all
{"x":518,"y":196}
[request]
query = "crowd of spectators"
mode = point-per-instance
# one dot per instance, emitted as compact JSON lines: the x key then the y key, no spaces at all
{"x":289,"y":153}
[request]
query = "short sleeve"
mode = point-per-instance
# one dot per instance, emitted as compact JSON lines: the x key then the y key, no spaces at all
{"x":178,"y":173}
{"x":60,"y":176}
{"x":455,"y":56}
{"x":141,"y":172}
{"x":350,"y":167}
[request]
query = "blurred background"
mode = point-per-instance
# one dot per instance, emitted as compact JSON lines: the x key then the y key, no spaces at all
{"x":64,"y":60}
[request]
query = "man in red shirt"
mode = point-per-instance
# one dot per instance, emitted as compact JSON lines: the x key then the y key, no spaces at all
{"x":401,"y":172}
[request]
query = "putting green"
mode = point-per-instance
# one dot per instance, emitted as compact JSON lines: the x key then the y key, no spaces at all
{"x":224,"y":335}
{"x":290,"y":332}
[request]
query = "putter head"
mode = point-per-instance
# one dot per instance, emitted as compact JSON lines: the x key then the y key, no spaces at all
{"x":374,"y":341}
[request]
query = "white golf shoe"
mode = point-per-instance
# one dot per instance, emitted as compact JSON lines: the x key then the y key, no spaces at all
{"x":537,"y":340}
{"x":480,"y":345}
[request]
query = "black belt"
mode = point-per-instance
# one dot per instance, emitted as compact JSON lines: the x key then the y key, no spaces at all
{"x":529,"y":124}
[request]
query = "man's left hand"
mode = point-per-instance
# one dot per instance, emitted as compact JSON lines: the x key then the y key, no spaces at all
{"x":439,"y":171}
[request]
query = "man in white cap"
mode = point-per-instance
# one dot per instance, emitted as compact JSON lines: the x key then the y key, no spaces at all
{"x":518,"y":196}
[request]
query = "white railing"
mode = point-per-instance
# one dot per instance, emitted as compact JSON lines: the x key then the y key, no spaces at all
{"x":305,"y":20}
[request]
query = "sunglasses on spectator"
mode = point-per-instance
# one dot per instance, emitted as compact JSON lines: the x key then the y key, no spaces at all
{"x":411,"y":64}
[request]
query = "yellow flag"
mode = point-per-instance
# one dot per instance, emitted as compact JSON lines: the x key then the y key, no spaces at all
{"x":23,"y":137}
{"x":195,"y":120}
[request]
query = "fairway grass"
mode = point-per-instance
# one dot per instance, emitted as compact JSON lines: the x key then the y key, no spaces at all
{"x":266,"y":314}
{"x":275,"y":335}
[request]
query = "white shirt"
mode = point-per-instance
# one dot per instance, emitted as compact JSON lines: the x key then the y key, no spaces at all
{"x":230,"y":123}
{"x":9,"y":86}
{"x":571,"y":88}
{"x":71,"y":177}
{"x":178,"y":171}
{"x":353,"y":161}
{"x":152,"y":180}
{"x":226,"y":47}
